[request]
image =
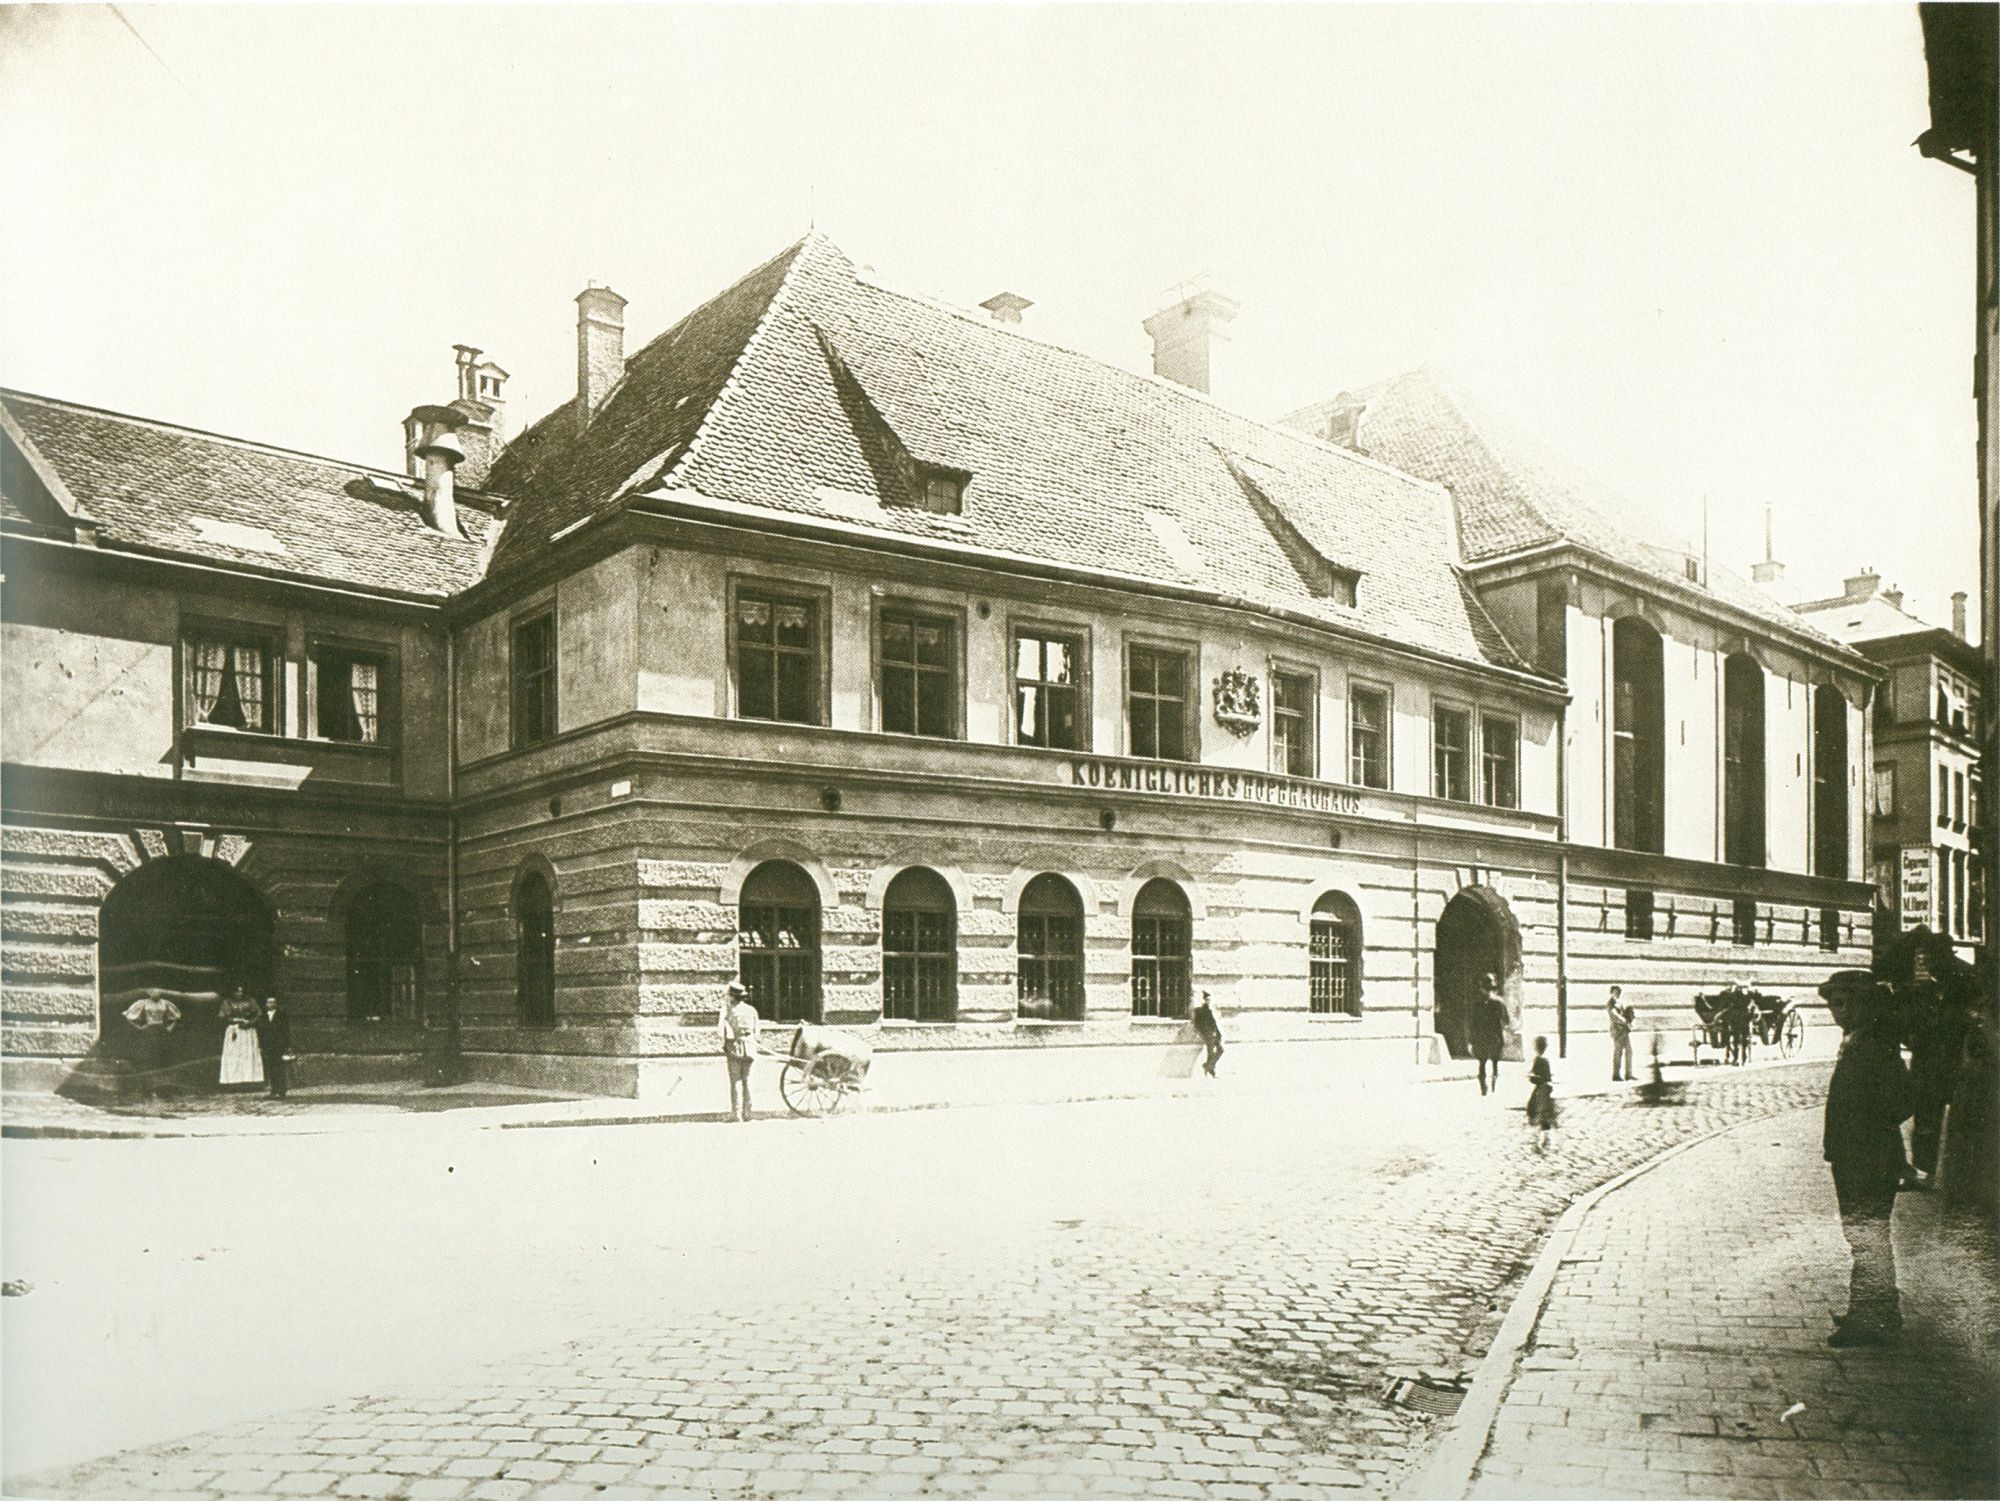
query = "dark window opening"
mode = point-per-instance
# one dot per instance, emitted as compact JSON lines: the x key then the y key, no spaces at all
{"x":1162,"y":938}
{"x":535,"y":951}
{"x":1638,"y":729}
{"x":1334,"y":957}
{"x":1156,"y":697}
{"x":231,"y":683}
{"x":777,"y":938}
{"x":1743,"y":761}
{"x":1743,"y":921}
{"x":1829,"y":929}
{"x":919,"y":949}
{"x":777,"y":658}
{"x":534,"y":679}
{"x":1830,"y":782}
{"x":919,"y":674}
{"x":1293,"y":748}
{"x":941,"y":490}
{"x":1500,"y":761}
{"x":348,"y":695}
{"x":1048,"y":691}
{"x":1639,"y":915}
{"x":385,"y":948}
{"x":1049,"y":951}
{"x":1368,"y":736}
{"x":1451,"y":753}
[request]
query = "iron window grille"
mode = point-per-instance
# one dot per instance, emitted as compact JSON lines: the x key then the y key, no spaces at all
{"x":778,"y":959}
{"x":1743,"y":921}
{"x":919,"y":949}
{"x":1639,"y":914}
{"x":1049,"y":951}
{"x":1334,"y":960}
{"x":1161,"y":952}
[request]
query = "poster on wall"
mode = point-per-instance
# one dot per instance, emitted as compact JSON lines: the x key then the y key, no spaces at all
{"x":1915,"y":887}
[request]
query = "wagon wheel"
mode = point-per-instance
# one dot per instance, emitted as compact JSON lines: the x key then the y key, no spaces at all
{"x":1793,"y":1037}
{"x":813,"y":1086}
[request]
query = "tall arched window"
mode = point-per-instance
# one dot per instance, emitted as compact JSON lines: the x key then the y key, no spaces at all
{"x":1335,"y":956}
{"x":385,"y":955}
{"x":1742,"y":761}
{"x":1162,"y":936}
{"x":777,"y":932}
{"x":1638,"y":727}
{"x":1830,"y":782}
{"x":535,"y":950}
{"x":919,"y":948}
{"x":1049,"y":951}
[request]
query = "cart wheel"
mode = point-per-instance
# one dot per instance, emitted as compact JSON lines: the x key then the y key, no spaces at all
{"x":1794,"y":1036}
{"x":814,"y":1086}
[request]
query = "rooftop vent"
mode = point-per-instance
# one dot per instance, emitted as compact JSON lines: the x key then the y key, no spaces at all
{"x":1006,"y":307}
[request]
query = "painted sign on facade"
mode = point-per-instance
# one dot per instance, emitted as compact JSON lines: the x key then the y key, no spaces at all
{"x":1229,"y":786}
{"x":1914,"y":888}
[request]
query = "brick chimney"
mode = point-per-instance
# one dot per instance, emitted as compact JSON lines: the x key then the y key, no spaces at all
{"x":482,"y":402}
{"x":1893,"y":597}
{"x":600,"y":348}
{"x":1958,"y":614}
{"x":433,"y":444}
{"x":1861,"y":587}
{"x":1185,"y":335}
{"x":1006,"y":307}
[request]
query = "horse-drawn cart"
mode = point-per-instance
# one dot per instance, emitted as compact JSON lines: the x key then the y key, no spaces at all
{"x":1736,"y":1018}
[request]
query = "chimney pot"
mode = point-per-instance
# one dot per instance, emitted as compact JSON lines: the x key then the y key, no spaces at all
{"x":1006,"y":307}
{"x":482,"y":405}
{"x":1958,"y":614}
{"x":1185,"y":334}
{"x":434,"y":430}
{"x":1893,"y":597}
{"x":600,"y":348}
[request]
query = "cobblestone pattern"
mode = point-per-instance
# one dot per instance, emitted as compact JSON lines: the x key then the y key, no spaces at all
{"x":1235,"y":1343}
{"x":1720,"y":1383}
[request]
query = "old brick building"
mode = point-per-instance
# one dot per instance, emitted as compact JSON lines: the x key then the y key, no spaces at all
{"x":932,"y":678}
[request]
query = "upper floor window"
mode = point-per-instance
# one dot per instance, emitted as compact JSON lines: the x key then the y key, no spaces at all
{"x":1830,"y":782}
{"x":777,"y":657}
{"x":940,"y":489}
{"x":1294,"y":748}
{"x":1048,"y":690}
{"x":1885,"y":792}
{"x":1156,"y":700}
{"x":534,"y":664}
{"x":1552,"y":626}
{"x":348,"y":693}
{"x":1944,"y":796}
{"x":1742,"y":761}
{"x":232,"y":681}
{"x":1499,"y":761}
{"x":919,"y":673}
{"x":1638,"y":729}
{"x":1367,"y":735}
{"x":1451,"y":753}
{"x":1958,"y":799}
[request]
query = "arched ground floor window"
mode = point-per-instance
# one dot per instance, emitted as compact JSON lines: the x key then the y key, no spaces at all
{"x":1162,"y":940}
{"x":919,"y":948}
{"x":1049,"y":951}
{"x":1334,"y":962}
{"x":777,"y":934}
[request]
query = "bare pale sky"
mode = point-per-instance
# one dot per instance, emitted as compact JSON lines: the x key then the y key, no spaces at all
{"x":1689,"y":246}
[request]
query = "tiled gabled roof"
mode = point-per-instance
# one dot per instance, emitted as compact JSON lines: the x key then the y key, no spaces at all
{"x":152,"y":487}
{"x":1512,"y":493}
{"x":833,"y":382}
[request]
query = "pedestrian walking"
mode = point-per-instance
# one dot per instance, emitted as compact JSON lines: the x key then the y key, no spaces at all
{"x":736,"y":1026}
{"x":152,"y":1018}
{"x":1937,"y":1012}
{"x":1209,"y":1031}
{"x":1488,"y":1033}
{"x":1867,"y":1101}
{"x":242,"y":1065}
{"x":1619,"y":1016}
{"x":1542,"y":1096}
{"x":274,"y":1045}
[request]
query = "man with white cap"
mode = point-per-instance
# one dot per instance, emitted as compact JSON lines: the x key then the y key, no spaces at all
{"x":736,"y":1025}
{"x":1867,"y":1101}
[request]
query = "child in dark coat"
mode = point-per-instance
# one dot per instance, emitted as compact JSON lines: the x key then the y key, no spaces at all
{"x":1542,"y":1098}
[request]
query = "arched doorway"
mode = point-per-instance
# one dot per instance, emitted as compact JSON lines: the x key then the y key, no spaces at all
{"x":777,"y":930}
{"x":1048,"y":948}
{"x":1476,"y":937}
{"x":192,"y":930}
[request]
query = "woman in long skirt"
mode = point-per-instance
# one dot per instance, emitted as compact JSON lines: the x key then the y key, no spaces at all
{"x":242,"y":1063}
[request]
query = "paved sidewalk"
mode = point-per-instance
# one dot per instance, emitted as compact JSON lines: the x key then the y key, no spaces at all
{"x":1681,"y":1349}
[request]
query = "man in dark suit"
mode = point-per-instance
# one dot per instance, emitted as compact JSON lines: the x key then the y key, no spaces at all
{"x":274,"y":1041}
{"x":1209,"y":1030}
{"x":1867,"y":1101}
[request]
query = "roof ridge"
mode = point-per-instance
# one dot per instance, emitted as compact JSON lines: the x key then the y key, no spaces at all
{"x":799,"y":250}
{"x":1145,"y":378}
{"x":11,"y":393}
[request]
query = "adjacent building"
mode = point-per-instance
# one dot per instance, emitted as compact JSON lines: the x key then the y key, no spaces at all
{"x":1925,"y":785}
{"x":931,"y":678}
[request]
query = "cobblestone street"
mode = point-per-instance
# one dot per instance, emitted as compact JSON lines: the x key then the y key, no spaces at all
{"x":1195,"y":1296}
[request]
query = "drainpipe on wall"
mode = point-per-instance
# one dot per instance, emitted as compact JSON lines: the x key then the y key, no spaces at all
{"x":446,"y":1066}
{"x":1562,"y":882}
{"x":1417,"y":932}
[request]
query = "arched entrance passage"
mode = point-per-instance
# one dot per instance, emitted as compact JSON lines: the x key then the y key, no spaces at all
{"x":1476,"y":937}
{"x":191,"y":929}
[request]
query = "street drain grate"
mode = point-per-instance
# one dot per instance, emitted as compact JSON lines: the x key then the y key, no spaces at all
{"x":1433,"y":1399}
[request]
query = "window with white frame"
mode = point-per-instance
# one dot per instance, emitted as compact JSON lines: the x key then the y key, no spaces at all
{"x":1499,"y":761}
{"x":1451,"y":752}
{"x":1294,"y":750}
{"x":1367,"y":735}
